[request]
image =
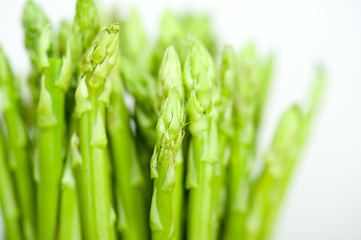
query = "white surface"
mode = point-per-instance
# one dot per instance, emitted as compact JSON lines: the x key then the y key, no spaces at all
{"x":325,"y":200}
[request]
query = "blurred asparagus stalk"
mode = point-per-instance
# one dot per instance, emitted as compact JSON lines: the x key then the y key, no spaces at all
{"x":130,"y":182}
{"x":8,"y":202}
{"x":34,"y":21}
{"x":167,"y":160}
{"x":249,"y":97}
{"x":227,"y":81}
{"x":199,"y":79}
{"x":69,"y":219}
{"x":17,"y":140}
{"x":288,"y":143}
{"x":92,"y":96}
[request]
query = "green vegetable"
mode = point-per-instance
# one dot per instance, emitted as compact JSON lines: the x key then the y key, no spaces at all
{"x":50,"y":140}
{"x":92,"y":96}
{"x":199,"y":79}
{"x":250,"y":92}
{"x":19,"y":162}
{"x":130,"y":182}
{"x":167,"y":161}
{"x":227,"y":81}
{"x":8,"y":202}
{"x":287,"y":145}
{"x":69,"y":219}
{"x":116,"y":135}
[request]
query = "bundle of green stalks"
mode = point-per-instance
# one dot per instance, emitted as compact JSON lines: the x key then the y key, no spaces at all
{"x":118,"y":138}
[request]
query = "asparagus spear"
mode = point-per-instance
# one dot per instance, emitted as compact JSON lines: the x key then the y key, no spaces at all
{"x":278,"y":159}
{"x":69,"y":219}
{"x":92,"y":96}
{"x":287,"y":145}
{"x":34,"y":21}
{"x":134,"y":42}
{"x":18,"y":156}
{"x":251,"y":90}
{"x":169,"y":140}
{"x":167,"y":160}
{"x":129,"y":187}
{"x":227,"y":79}
{"x":135,"y":70}
{"x":51,"y":123}
{"x":9,"y":205}
{"x":199,"y":78}
{"x":86,"y":26}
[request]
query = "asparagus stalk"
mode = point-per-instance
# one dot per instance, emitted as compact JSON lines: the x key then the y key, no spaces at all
{"x":169,"y":140}
{"x":34,"y":21}
{"x":199,"y":78}
{"x":288,"y":143}
{"x":51,"y":123}
{"x":9,"y":205}
{"x":69,"y":219}
{"x":251,"y":90}
{"x":135,"y":70}
{"x":267,"y":188}
{"x":134,"y":42}
{"x":226,"y":131}
{"x":129,"y":187}
{"x":92,"y":96}
{"x":167,"y":160}
{"x":18,"y":156}
{"x":86,"y":26}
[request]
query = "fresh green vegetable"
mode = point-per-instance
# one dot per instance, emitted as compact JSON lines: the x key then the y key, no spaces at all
{"x":167,"y":161}
{"x":199,"y":80}
{"x":119,"y":136}
{"x":51,"y":124}
{"x":92,"y":96}
{"x":9,"y":206}
{"x":69,"y":219}
{"x":227,"y":81}
{"x":250,"y":92}
{"x":129,"y":179}
{"x":19,"y":162}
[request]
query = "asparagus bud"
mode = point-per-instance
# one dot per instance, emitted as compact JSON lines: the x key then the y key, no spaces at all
{"x":92,"y":96}
{"x":199,"y":78}
{"x":169,"y":132}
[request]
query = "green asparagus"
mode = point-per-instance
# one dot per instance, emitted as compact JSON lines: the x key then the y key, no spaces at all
{"x":130,"y":182}
{"x":92,"y":96}
{"x":167,"y":160}
{"x":8,"y":201}
{"x":199,"y":79}
{"x":19,"y":162}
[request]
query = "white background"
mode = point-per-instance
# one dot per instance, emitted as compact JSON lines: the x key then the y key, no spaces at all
{"x":324,"y":202}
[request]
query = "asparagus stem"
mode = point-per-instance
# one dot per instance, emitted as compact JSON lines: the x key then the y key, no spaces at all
{"x":34,"y":22}
{"x":250,"y":94}
{"x":288,"y":143}
{"x":130,"y":181}
{"x":167,"y":159}
{"x":51,"y":144}
{"x":18,"y":157}
{"x":199,"y":77}
{"x":169,"y":140}
{"x":226,"y":131}
{"x":69,"y":220}
{"x":268,"y":188}
{"x":85,"y":27}
{"x":9,"y":206}
{"x":92,"y":96}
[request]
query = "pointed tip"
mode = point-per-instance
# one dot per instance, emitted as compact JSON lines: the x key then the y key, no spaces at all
{"x":170,"y":74}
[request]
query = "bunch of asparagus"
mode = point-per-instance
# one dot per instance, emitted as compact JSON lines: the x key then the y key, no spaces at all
{"x":119,"y":138}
